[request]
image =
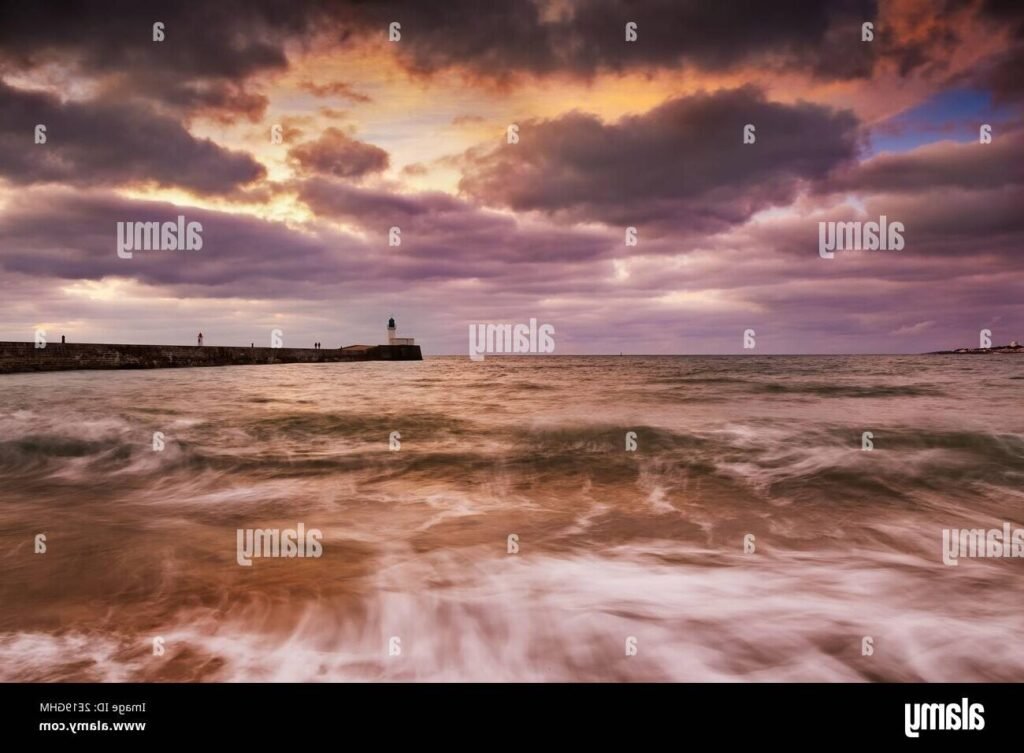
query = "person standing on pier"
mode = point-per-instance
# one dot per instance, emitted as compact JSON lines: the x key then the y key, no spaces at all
{"x":200,"y":338}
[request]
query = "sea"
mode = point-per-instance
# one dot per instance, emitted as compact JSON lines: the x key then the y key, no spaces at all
{"x":528,"y":519}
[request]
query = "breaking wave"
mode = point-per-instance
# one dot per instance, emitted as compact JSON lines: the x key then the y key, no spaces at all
{"x":630,"y":486}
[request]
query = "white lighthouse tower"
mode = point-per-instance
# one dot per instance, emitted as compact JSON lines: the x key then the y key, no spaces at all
{"x":394,"y":339}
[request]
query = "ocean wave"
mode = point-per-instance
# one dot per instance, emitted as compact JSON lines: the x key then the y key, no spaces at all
{"x":614,"y":543}
{"x":826,"y":389}
{"x":789,"y":618}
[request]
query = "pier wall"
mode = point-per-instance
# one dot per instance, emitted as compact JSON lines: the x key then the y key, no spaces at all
{"x":16,"y":357}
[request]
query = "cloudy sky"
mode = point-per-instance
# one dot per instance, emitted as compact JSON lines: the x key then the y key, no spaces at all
{"x":413,"y":134}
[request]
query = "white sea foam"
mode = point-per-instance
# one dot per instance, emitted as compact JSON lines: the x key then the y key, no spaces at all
{"x":612,"y":544}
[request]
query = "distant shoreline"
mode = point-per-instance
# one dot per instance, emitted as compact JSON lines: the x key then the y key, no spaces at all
{"x":977,"y":351}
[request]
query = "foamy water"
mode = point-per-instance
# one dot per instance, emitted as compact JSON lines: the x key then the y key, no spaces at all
{"x":615,"y":548}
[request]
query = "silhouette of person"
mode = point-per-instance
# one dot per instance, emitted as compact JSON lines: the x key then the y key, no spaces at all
{"x":200,"y":338}
{"x":62,"y":341}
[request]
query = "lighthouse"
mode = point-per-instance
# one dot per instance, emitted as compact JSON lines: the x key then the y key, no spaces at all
{"x":394,"y":339}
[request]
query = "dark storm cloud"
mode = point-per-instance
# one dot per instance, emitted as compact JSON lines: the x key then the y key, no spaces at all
{"x":450,"y":233}
{"x":211,"y":50}
{"x":60,"y":234}
{"x":1004,"y":76}
{"x":373,"y":208}
{"x":226,"y":39}
{"x":1003,"y":72}
{"x":935,"y":32}
{"x":970,"y":165}
{"x":955,"y":199}
{"x":983,"y":230}
{"x":976,"y":225}
{"x":229,"y":41}
{"x":105,"y":143}
{"x":683,"y":163}
{"x":497,"y":39}
{"x":338,"y":154}
{"x":224,"y":101}
{"x":208,"y":51}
